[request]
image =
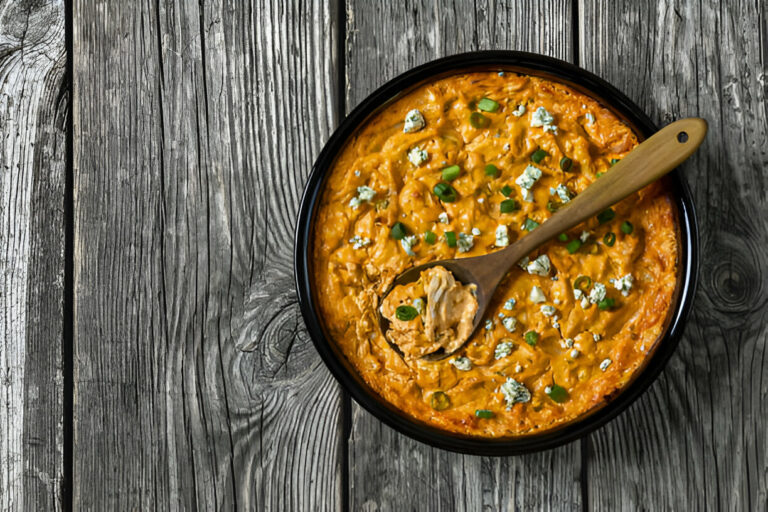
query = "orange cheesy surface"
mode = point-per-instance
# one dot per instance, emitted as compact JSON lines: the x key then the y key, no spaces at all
{"x":461,"y":167}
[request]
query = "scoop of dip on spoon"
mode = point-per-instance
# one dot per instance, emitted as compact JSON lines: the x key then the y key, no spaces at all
{"x":430,"y":311}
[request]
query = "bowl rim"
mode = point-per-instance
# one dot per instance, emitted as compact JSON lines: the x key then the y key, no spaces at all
{"x":535,"y":65}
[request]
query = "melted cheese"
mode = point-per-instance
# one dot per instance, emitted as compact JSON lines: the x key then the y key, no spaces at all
{"x":573,"y":335}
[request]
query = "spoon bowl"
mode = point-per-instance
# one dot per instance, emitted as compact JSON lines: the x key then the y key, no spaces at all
{"x":649,"y":161}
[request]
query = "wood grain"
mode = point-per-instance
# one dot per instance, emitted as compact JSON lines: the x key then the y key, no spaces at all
{"x":32,"y":152}
{"x":195,"y":125}
{"x":699,"y":439}
{"x":389,"y":471}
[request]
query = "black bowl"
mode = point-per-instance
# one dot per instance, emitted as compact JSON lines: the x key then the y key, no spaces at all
{"x":530,"y":64}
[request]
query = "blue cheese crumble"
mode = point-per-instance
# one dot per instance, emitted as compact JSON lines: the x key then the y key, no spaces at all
{"x":584,"y":236}
{"x":417,"y":156}
{"x":605,"y":364}
{"x":509,"y":304}
{"x":547,"y":310}
{"x":623,"y":284}
{"x":407,"y":243}
{"x":502,"y":236}
{"x":519,"y":111}
{"x":359,"y":242}
{"x":488,"y":325}
{"x":542,"y":118}
{"x":414,"y":121}
{"x":462,"y":363}
{"x":443,"y":218}
{"x":509,"y":323}
{"x":528,"y":179}
{"x":563,"y":193}
{"x":465,"y":242}
{"x":476,"y":232}
{"x":503,"y":349}
{"x":364,"y":194}
{"x":597,"y":294}
{"x":419,"y":305}
{"x":514,"y":392}
{"x":537,"y":295}
{"x":540,"y":266}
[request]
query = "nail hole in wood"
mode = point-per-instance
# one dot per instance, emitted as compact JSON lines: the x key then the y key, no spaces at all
{"x":682,"y":137}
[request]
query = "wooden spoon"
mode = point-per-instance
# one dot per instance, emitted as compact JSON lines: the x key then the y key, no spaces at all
{"x":649,"y":161}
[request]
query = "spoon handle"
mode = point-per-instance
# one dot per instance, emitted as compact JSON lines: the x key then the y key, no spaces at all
{"x":649,"y":161}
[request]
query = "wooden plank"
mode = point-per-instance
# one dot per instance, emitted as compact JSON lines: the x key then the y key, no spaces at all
{"x":196,"y":386}
{"x":699,"y":439}
{"x":32,"y":155}
{"x":389,"y":471}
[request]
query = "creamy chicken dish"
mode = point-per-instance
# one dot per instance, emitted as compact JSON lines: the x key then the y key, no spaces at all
{"x":463,"y":166}
{"x":436,"y":312}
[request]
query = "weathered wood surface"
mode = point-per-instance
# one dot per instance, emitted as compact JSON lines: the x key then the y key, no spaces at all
{"x":32,"y":174}
{"x":389,"y":471}
{"x":195,"y":125}
{"x":699,"y":438}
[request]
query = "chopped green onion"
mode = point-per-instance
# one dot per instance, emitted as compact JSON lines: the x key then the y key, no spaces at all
{"x":557,"y":393}
{"x":606,"y":303}
{"x":606,"y":216}
{"x":627,"y":227}
{"x":553,"y":206}
{"x":439,"y":401}
{"x":484,"y":413}
{"x":488,"y":105}
{"x":582,"y":283}
{"x":573,"y":246}
{"x":506,"y":190}
{"x":562,"y":237}
{"x":531,"y":338}
{"x":451,"y":173}
{"x":430,"y":237}
{"x":599,"y":174}
{"x":609,"y":239}
{"x":508,"y":206}
{"x":491,"y":170}
{"x":566,"y":164}
{"x":530,"y":224}
{"x":614,"y":161}
{"x":450,"y":238}
{"x":539,"y":155}
{"x":478,"y":120}
{"x":398,"y":231}
{"x":445,"y":192}
{"x":406,"y":313}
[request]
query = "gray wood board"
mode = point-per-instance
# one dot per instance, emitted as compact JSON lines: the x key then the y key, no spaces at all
{"x":195,"y":126}
{"x":699,"y":438}
{"x":389,"y":471}
{"x":32,"y":175}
